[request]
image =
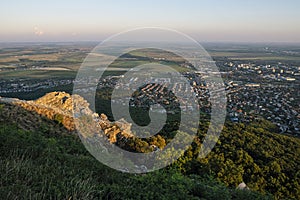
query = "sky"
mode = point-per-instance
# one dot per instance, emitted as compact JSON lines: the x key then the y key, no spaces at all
{"x":204,"y":20}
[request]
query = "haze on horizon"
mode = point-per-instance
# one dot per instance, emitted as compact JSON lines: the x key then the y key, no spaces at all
{"x":204,"y":20}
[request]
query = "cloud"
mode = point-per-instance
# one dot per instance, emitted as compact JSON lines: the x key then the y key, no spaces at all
{"x":38,"y":31}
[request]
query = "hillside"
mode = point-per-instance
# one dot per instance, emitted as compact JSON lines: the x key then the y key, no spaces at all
{"x":40,"y":135}
{"x":49,"y":162}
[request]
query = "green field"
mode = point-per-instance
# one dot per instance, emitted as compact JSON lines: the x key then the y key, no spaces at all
{"x":37,"y":74}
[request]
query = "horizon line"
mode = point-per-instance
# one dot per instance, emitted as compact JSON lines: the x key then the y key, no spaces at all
{"x":202,"y":42}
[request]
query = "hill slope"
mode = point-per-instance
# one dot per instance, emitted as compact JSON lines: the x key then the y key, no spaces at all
{"x":48,"y":162}
{"x":266,"y":162}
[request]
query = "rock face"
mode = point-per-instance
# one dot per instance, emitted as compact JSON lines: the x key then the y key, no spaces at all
{"x":124,"y":125}
{"x":59,"y":100}
{"x":60,"y":106}
{"x":117,"y":130}
{"x":56,"y":106}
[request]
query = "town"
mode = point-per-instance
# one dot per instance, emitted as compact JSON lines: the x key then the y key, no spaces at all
{"x":253,"y":91}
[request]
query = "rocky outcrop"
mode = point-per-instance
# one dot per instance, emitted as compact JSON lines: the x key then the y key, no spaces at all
{"x":60,"y":107}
